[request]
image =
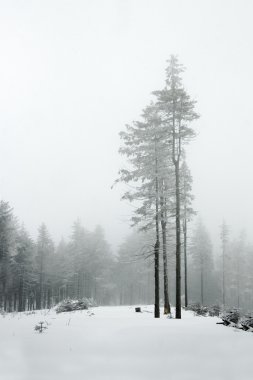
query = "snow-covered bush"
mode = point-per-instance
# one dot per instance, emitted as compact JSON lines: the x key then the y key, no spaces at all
{"x":198,"y":309}
{"x":236,"y":319}
{"x":214,"y":311}
{"x":202,"y":311}
{"x":193,"y":306}
{"x":231,"y":317}
{"x":247,"y":323}
{"x":72,"y":305}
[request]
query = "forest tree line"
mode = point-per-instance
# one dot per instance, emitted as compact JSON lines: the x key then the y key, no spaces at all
{"x":38,"y":274}
{"x":205,"y":270}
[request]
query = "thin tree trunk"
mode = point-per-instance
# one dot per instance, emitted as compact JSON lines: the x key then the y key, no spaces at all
{"x":238,"y":284}
{"x":176,"y":152}
{"x":4,"y":295}
{"x":178,"y":244}
{"x":156,"y":249}
{"x":49,"y":292}
{"x":15,"y":302}
{"x":223,"y":276}
{"x":185,"y":265}
{"x":167,"y":309}
{"x":20,"y":293}
{"x":157,"y":292}
{"x":202,"y":285}
{"x":202,"y":279}
{"x":41,"y":287}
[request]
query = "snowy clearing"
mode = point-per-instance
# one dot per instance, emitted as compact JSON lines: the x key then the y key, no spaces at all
{"x":116,"y":343}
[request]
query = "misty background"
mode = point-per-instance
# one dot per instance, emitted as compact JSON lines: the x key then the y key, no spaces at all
{"x":73,"y":73}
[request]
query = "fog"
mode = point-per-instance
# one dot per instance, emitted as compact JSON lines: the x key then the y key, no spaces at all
{"x":73,"y":73}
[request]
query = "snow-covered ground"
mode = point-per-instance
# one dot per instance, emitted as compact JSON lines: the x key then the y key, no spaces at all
{"x":118,"y":344}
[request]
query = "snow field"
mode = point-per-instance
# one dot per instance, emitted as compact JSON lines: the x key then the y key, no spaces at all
{"x":116,"y":343}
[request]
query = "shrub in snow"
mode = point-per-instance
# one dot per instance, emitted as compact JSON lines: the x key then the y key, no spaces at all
{"x":247,"y":324}
{"x":40,"y":327}
{"x":231,"y":317}
{"x":198,"y":309}
{"x":193,"y":306}
{"x":72,"y":305}
{"x":235,"y":319}
{"x":202,"y":310}
{"x":214,"y":311}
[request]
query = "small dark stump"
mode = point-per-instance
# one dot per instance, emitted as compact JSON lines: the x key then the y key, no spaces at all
{"x":138,"y":310}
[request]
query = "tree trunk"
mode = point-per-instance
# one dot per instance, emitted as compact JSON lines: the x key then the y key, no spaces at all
{"x":41,"y":288}
{"x":185,"y":265}
{"x":15,"y":302}
{"x":202,"y":279}
{"x":167,"y":309}
{"x":49,"y":298}
{"x":178,"y":244}
{"x":238,"y":284}
{"x":202,"y":286}
{"x":4,"y":295}
{"x":157,"y":245}
{"x":38,"y":298}
{"x":157,"y":292}
{"x":20,"y":293}
{"x":223,"y":276}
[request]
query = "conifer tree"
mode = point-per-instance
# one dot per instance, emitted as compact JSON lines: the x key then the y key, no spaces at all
{"x":145,"y":148}
{"x":24,"y":262}
{"x":224,"y":241}
{"x":45,"y":249}
{"x":187,"y":213}
{"x":202,"y":259}
{"x":177,"y":110}
{"x":7,"y":251}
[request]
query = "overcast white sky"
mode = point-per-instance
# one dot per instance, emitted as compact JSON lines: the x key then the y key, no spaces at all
{"x":73,"y":73}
